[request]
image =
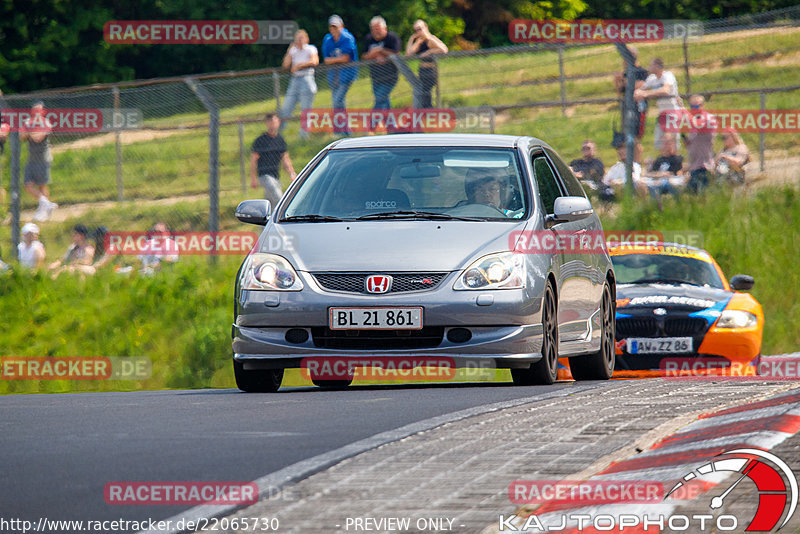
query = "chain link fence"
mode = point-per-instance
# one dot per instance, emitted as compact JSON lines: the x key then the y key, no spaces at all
{"x":186,"y":160}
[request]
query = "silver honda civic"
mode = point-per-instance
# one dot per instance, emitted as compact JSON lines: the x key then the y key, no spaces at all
{"x":426,"y":247}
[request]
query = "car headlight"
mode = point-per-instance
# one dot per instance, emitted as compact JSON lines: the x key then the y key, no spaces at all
{"x":736,"y":319}
{"x":270,"y":272}
{"x":505,"y":270}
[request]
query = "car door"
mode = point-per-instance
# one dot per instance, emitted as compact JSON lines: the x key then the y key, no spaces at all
{"x":581,"y":286}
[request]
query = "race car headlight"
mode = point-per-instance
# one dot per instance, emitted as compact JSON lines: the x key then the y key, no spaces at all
{"x":505,"y":270}
{"x":270,"y":272}
{"x":736,"y":319}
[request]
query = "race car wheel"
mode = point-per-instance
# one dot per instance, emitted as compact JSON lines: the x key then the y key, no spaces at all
{"x":600,"y":365}
{"x":545,"y":370}
{"x":257,"y":380}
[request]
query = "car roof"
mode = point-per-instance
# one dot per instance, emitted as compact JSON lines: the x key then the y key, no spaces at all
{"x":653,"y":246}
{"x":449,"y":139}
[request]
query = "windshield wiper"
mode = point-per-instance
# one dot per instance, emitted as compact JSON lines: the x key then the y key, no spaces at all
{"x":662,"y":281}
{"x":432,"y":215}
{"x":312,"y":218}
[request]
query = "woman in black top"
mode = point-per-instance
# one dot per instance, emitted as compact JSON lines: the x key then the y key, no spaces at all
{"x":424,"y":44}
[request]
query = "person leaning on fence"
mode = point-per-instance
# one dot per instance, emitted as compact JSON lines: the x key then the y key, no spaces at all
{"x":661,"y":85}
{"x":588,"y":169}
{"x":267,"y":153}
{"x":36,"y":130}
{"x":699,"y":143}
{"x":300,"y":59}
{"x":30,"y":252}
{"x":729,"y":163}
{"x":640,"y":113}
{"x":380,"y":43}
{"x":338,"y":49}
{"x":424,"y":44}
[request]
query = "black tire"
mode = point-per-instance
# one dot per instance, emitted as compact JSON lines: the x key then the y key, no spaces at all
{"x":545,"y":370}
{"x":599,"y":365}
{"x":332,"y":384}
{"x":257,"y":380}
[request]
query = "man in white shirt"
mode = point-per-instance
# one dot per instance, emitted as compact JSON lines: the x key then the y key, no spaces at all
{"x":661,"y":85}
{"x":300,"y":59}
{"x":31,"y":253}
{"x":616,"y":178}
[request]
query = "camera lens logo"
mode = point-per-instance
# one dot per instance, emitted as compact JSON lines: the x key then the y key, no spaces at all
{"x":769,"y":473}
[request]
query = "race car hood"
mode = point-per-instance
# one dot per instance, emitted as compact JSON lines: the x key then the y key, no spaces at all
{"x":387,"y":245}
{"x":685,"y":297}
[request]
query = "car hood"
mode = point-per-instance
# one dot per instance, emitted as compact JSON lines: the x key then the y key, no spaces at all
{"x":668,"y":296}
{"x":386,"y":245}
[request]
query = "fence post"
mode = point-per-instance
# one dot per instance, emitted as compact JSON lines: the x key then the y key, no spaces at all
{"x":562,"y":80}
{"x":438,"y":83}
{"x":118,"y":140}
{"x":213,"y":158}
{"x":13,"y":189}
{"x":276,"y":79}
{"x":686,"y":64}
{"x":242,"y":158}
{"x":763,"y":96}
{"x":629,"y":117}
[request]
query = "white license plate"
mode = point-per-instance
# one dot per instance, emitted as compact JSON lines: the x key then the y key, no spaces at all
{"x":406,"y":318}
{"x":659,"y":345}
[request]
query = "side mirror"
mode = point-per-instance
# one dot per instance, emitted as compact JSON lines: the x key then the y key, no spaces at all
{"x":568,"y":209}
{"x":254,"y":211}
{"x":742,"y":282}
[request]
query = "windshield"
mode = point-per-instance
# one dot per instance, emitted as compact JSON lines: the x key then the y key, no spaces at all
{"x":659,"y":268}
{"x":463,"y":183}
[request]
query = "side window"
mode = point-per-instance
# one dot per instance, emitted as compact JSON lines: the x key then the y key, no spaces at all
{"x":574,"y":188}
{"x":546,"y":183}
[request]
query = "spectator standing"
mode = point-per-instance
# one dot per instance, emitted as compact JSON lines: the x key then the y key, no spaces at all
{"x":36,"y":131}
{"x":666,"y":173}
{"x":620,"y":82}
{"x":589,"y":169}
{"x":339,"y":49}
{"x":31,"y":252}
{"x":699,"y":145}
{"x":300,"y":59}
{"x":661,"y":85}
{"x":380,"y":43}
{"x":729,"y":163}
{"x":266,"y":154}
{"x":424,"y":44}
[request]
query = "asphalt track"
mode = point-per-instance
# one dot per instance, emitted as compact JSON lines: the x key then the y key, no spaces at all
{"x":57,"y":452}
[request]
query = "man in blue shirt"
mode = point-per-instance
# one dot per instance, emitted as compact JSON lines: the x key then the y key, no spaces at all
{"x":338,"y":49}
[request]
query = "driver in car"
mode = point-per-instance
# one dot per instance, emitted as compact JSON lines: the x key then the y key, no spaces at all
{"x":485,"y":187}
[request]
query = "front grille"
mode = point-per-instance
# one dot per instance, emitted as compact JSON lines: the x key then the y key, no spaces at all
{"x":426,"y":337}
{"x":401,"y":282}
{"x":684,"y":326}
{"x":637,"y":327}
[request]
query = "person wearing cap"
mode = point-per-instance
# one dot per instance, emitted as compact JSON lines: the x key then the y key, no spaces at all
{"x":339,"y":49}
{"x":36,"y":130}
{"x":30,"y":252}
{"x":381,"y":44}
{"x":80,"y":252}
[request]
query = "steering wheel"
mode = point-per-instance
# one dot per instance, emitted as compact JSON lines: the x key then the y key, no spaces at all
{"x":471,"y":209}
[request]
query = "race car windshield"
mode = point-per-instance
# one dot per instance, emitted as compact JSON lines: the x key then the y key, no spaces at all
{"x":385,"y":184}
{"x":663,"y":269}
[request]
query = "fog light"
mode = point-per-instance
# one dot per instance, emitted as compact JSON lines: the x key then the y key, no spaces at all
{"x":459,"y":335}
{"x":296,"y":335}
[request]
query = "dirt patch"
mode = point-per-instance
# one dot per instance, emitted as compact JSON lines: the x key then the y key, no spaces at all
{"x":126,"y":138}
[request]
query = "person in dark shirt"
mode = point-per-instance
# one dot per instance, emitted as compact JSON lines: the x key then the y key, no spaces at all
{"x":380,"y":44}
{"x":267,"y":153}
{"x":620,"y":81}
{"x":589,"y":169}
{"x":666,"y":172}
{"x":424,"y":44}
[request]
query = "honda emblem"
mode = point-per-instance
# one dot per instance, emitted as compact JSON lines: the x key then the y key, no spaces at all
{"x":378,"y":283}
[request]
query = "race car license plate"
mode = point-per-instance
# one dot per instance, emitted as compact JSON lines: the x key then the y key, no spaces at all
{"x":406,"y":318}
{"x":659,"y":345}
